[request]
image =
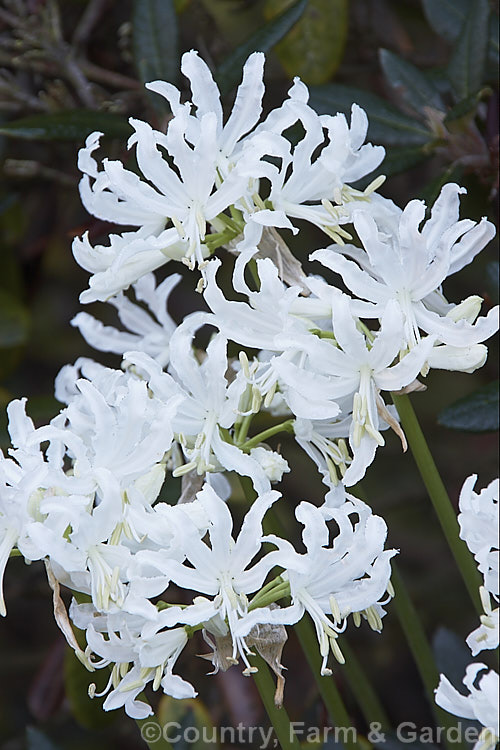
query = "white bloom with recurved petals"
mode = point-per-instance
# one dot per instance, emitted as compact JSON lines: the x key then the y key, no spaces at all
{"x":409,"y":265}
{"x":478,"y":519}
{"x":330,"y":581}
{"x":147,"y":331}
{"x":481,"y":704}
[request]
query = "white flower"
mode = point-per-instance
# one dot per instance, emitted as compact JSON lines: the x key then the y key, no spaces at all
{"x":478,"y":521}
{"x":487,"y":635}
{"x":205,"y":97}
{"x":263,"y":323}
{"x":359,"y":367}
{"x":137,"y":659}
{"x":21,"y":478}
{"x":481,"y":704}
{"x":209,"y":404}
{"x":305,"y":183}
{"x":114,"y":430}
{"x":350,"y":575}
{"x":127,"y":257}
{"x":221,"y":569}
{"x":188,"y":190}
{"x":409,"y":265}
{"x":272,"y":463}
{"x":146,"y":331}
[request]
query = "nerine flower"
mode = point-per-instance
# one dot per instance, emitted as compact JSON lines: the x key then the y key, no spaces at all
{"x":481,"y":704}
{"x":305,"y":183}
{"x":330,"y":581}
{"x":478,"y":521}
{"x":147,"y":330}
{"x":137,"y":660}
{"x":219,"y":567}
{"x":189,"y":180}
{"x":359,"y":367}
{"x":409,"y":265}
{"x":209,"y":404}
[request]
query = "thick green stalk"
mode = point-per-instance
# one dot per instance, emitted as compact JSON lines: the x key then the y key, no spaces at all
{"x":326,"y":685}
{"x":439,"y":496}
{"x":278,"y":716}
{"x":361,"y":687}
{"x":420,"y":648}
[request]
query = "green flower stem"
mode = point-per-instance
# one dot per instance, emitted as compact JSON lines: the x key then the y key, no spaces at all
{"x":326,"y":685}
{"x":439,"y":496}
{"x":154,"y":737}
{"x":271,"y":596}
{"x":420,"y":649}
{"x":278,"y":716}
{"x":243,"y":428}
{"x":254,"y":441}
{"x":361,"y":687}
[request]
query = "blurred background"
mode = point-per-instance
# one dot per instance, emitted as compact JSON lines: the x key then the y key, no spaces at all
{"x":426,"y":73}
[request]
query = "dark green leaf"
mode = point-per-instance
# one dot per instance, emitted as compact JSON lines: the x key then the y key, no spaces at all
{"x":476,"y":412}
{"x":463,"y":108}
{"x":400,"y":158}
{"x":313,"y":49}
{"x":433,"y":188}
{"x":14,"y":321}
{"x":467,"y":65}
{"x":387,"y":124}
{"x":187,"y":713}
{"x":155,"y":43}
{"x":228,"y":73}
{"x":409,"y":83}
{"x":492,"y":280}
{"x":451,"y":655}
{"x":446,"y":16}
{"x":71,"y":125}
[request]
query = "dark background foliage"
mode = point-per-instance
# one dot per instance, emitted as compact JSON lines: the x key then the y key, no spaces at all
{"x":425,"y":70}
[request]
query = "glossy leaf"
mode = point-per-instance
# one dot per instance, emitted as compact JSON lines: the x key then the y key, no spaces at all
{"x":387,"y":124}
{"x":228,"y":74}
{"x":476,"y":412}
{"x":71,"y":125}
{"x":313,"y":49}
{"x":467,"y":65}
{"x":431,"y":191}
{"x":446,"y":17}
{"x":464,"y":108}
{"x":400,"y":158}
{"x":14,"y":321}
{"x":189,"y":721}
{"x":409,"y":83}
{"x":155,"y":43}
{"x":451,"y":654}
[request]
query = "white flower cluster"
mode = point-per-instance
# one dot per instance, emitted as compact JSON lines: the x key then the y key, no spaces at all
{"x":86,"y":492}
{"x":479,"y":527}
